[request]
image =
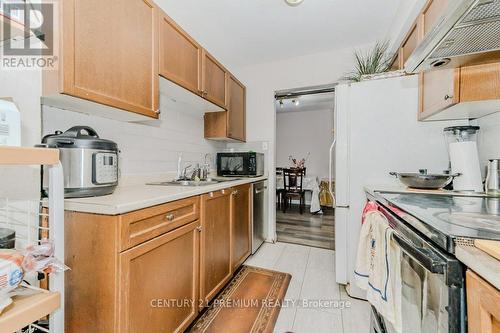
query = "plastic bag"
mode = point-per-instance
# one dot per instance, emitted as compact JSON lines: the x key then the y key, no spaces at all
{"x":15,"y":264}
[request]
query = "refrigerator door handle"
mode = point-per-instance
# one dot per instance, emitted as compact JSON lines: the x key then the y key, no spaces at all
{"x":330,"y":169}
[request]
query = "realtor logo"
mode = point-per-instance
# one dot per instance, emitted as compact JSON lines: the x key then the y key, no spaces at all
{"x":28,"y":35}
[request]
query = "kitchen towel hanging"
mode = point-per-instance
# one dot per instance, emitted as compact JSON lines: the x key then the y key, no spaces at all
{"x":378,"y":269}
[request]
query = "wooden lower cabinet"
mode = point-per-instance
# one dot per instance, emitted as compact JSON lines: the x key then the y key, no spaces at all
{"x":151,"y":270}
{"x":159,"y":283}
{"x":215,"y":253}
{"x":483,"y":305}
{"x":241,"y":225}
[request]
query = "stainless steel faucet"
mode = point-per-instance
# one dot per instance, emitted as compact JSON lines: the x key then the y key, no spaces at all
{"x":184,"y":172}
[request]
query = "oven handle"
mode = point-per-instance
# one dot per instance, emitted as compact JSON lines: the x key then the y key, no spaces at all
{"x":424,"y":257}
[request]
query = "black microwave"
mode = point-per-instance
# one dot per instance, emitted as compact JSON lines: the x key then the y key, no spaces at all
{"x":240,"y":164}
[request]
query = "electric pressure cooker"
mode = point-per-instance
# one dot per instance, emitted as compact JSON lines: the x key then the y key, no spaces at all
{"x":90,"y":164}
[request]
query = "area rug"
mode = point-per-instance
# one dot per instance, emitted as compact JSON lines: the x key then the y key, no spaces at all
{"x":250,"y":303}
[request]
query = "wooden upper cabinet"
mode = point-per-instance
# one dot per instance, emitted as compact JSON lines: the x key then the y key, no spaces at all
{"x":161,"y":270}
{"x":214,"y":78}
{"x":236,"y":118}
{"x":215,"y":264}
{"x":445,"y":88}
{"x":110,"y":53}
{"x":410,"y":44}
{"x":180,"y":56}
{"x":241,"y":226}
{"x":439,"y":89}
{"x":483,"y":305}
{"x":432,"y":13}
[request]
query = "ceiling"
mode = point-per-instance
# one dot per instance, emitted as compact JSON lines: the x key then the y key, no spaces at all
{"x":316,"y":102}
{"x":245,"y":32}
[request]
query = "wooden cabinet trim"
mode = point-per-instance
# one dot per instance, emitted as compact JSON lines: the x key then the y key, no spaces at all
{"x":143,"y":225}
{"x":127,"y":256}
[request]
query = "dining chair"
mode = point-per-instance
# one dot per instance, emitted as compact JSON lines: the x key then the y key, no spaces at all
{"x":293,"y":188}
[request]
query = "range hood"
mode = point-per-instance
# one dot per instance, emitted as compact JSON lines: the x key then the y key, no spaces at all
{"x":468,"y":30}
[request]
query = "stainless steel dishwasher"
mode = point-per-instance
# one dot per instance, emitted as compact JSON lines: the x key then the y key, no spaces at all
{"x":259,"y":215}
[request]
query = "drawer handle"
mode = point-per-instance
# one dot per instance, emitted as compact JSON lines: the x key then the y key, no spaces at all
{"x":223,"y":191}
{"x":170,"y":217}
{"x":211,"y":194}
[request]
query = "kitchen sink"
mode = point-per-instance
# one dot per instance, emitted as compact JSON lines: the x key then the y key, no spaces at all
{"x":210,"y":181}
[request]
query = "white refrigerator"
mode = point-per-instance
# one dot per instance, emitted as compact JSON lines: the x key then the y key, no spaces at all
{"x":376,"y":132}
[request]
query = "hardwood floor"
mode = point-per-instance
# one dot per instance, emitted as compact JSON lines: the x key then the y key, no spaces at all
{"x":306,"y":229}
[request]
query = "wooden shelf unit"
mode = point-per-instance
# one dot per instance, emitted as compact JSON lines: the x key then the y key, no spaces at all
{"x":26,"y":309}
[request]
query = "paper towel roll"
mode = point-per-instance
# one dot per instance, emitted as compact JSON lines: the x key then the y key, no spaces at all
{"x":464,"y":159}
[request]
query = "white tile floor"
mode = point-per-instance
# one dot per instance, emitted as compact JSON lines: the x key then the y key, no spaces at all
{"x":313,"y":280}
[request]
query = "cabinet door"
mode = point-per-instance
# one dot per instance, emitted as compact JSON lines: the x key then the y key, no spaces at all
{"x":213,"y":80}
{"x":409,"y":45}
{"x":236,"y":110}
{"x":180,"y":56}
{"x":110,"y":53}
{"x":215,"y":250}
{"x":483,"y":305}
{"x":439,"y":89}
{"x":159,"y":283}
{"x":241,"y":227}
{"x":432,"y":14}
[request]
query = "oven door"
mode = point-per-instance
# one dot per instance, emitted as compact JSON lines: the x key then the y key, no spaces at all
{"x":432,"y":285}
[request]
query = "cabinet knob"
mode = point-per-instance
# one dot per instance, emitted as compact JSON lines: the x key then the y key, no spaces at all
{"x":235,"y":192}
{"x":199,"y":229}
{"x":447,"y":97}
{"x":223,"y":191}
{"x":211,"y":194}
{"x":170,"y":217}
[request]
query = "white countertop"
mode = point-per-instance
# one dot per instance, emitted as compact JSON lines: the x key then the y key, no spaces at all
{"x":480,"y":262}
{"x":128,"y":198}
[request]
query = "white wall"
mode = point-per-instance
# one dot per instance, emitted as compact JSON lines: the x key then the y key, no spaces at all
{"x":145,"y":149}
{"x":24,"y":86}
{"x":263,"y":80}
{"x":299,"y":133}
{"x":489,"y":138}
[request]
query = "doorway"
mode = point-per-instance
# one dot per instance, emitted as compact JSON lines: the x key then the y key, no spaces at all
{"x":304,"y":134}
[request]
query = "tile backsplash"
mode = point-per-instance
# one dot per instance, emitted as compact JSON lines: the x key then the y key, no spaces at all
{"x":145,"y":148}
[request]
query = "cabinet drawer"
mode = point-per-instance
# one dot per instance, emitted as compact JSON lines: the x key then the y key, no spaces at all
{"x":140,"y":226}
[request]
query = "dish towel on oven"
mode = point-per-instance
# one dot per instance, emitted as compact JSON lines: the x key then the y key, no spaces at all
{"x":378,"y":268}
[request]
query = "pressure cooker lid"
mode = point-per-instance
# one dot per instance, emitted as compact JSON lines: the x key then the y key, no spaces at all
{"x":79,"y":137}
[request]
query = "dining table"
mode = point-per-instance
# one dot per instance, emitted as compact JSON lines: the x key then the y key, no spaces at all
{"x":309,"y":183}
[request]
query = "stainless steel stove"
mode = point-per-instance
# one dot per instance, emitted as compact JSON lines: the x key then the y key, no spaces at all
{"x":426,"y":227}
{"x":444,"y":218}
